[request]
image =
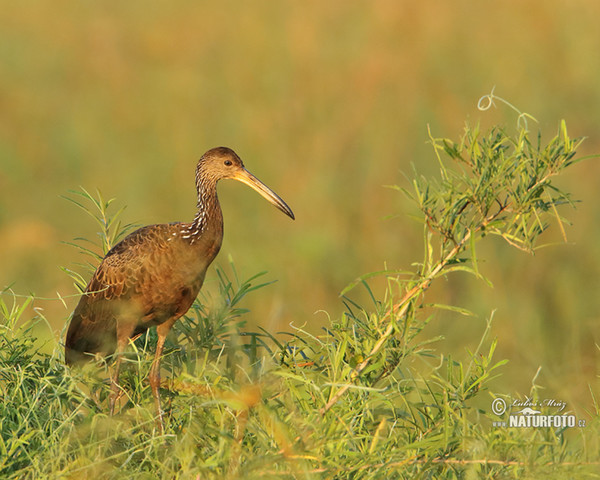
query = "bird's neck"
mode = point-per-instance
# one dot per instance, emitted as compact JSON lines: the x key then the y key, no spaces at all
{"x":208,"y":210}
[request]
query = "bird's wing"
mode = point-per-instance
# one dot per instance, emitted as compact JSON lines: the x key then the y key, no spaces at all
{"x":121,"y":268}
{"x":93,"y":325}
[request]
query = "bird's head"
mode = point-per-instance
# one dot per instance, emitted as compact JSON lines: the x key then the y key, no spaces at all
{"x":223,"y":162}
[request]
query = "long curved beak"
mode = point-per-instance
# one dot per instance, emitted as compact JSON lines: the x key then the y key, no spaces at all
{"x":246,"y":177}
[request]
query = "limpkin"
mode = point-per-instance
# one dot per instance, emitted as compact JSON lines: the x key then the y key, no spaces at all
{"x":152,"y":276}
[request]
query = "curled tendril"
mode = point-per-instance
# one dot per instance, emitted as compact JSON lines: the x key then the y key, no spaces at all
{"x":487,"y":101}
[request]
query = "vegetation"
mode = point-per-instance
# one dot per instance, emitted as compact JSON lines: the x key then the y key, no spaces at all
{"x":370,"y":397}
{"x":326,"y":102}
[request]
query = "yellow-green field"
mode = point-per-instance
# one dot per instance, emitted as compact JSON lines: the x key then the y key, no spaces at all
{"x":327,"y":102}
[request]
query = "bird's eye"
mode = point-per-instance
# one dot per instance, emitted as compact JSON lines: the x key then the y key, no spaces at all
{"x":228,"y":163}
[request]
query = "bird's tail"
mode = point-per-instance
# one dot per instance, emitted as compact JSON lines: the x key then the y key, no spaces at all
{"x":85,"y":339}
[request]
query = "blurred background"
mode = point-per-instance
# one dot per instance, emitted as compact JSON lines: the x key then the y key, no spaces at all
{"x":326,"y":102}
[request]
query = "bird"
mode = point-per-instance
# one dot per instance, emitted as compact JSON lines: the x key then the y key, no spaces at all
{"x":152,"y":277}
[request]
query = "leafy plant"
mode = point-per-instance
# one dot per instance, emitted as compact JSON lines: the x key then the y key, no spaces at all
{"x":369,"y":398}
{"x":493,"y":184}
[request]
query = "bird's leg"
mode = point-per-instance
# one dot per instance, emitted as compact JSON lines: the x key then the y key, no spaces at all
{"x":115,"y":388}
{"x":162,"y":330}
{"x":155,"y":381}
{"x":124,"y":331}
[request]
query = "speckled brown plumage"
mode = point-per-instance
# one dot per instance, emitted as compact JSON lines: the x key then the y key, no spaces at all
{"x":152,"y":277}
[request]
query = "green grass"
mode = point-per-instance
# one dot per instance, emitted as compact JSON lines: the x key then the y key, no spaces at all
{"x":373,"y":395}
